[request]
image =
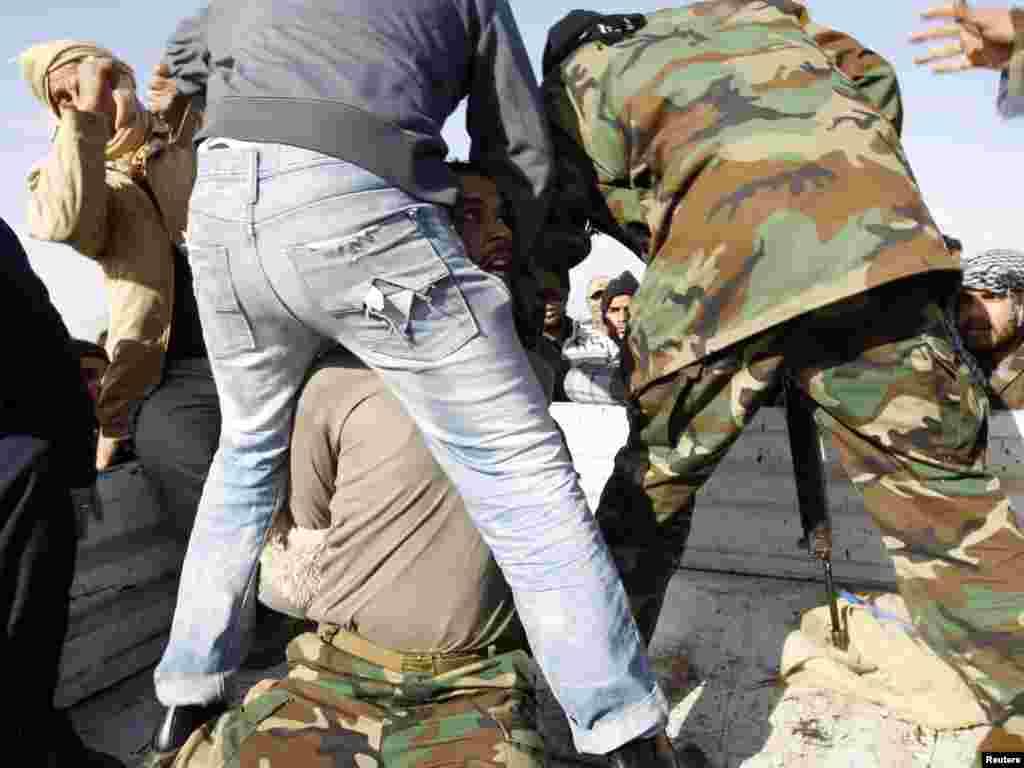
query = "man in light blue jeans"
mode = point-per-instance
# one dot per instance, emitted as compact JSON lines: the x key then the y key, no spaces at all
{"x":294,"y":248}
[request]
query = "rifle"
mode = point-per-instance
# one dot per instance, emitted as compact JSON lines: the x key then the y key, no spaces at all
{"x":812,"y":495}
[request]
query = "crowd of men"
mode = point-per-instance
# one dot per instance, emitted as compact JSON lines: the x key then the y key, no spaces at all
{"x":333,"y":352}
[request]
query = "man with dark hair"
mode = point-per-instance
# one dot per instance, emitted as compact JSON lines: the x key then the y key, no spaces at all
{"x":596,"y":374}
{"x":557,"y":329}
{"x":990,"y":316}
{"x":47,"y":448}
{"x":615,"y":305}
{"x":789,"y":245}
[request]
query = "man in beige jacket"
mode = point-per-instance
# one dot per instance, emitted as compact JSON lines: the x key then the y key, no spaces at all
{"x":115,"y":186}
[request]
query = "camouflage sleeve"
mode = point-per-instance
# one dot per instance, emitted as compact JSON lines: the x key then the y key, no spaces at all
{"x":1011,"y":83}
{"x":873,"y":75}
{"x":67,"y":192}
{"x":624,"y":182}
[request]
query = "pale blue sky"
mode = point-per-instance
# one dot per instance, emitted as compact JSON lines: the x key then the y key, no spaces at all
{"x":968,"y":161}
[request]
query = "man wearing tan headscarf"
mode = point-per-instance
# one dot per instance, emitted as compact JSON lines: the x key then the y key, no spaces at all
{"x":115,"y":186}
{"x":595,"y":293}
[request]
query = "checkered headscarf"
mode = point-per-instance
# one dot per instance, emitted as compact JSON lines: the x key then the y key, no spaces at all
{"x":999,"y":270}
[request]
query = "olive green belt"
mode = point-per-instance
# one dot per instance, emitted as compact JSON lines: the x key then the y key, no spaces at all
{"x":424,"y":663}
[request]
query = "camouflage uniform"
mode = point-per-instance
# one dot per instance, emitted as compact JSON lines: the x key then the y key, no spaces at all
{"x":335,"y":709}
{"x":789,"y":240}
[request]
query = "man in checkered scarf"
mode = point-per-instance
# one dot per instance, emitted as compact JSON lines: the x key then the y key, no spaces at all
{"x":990,"y":311}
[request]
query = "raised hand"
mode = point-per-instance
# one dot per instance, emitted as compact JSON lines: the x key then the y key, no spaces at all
{"x":982,"y":38}
{"x":96,"y":81}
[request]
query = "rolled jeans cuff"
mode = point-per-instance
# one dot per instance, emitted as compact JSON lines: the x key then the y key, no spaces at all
{"x":198,"y":690}
{"x":642,"y":720}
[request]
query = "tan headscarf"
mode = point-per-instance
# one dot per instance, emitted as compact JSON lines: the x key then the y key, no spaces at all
{"x":40,"y":60}
{"x":598,"y":283}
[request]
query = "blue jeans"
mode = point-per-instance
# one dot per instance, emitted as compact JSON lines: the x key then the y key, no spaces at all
{"x":292,"y":251}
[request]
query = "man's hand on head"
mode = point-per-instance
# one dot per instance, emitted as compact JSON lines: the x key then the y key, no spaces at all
{"x":96,"y":81}
{"x":982,"y":38}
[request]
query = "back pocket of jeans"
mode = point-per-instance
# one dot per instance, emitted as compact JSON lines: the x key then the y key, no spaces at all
{"x":226,"y":329}
{"x":388,"y":286}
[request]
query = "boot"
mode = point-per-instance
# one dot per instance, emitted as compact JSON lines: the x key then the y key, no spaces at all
{"x":656,"y":752}
{"x":177,"y":725}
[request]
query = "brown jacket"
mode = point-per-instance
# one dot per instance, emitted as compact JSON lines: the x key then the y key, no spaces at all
{"x":105,"y":212}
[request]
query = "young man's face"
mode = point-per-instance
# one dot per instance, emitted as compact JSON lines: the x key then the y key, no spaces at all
{"x":617,"y":316}
{"x":987,"y":321}
{"x":554,"y":309}
{"x":484,"y":230}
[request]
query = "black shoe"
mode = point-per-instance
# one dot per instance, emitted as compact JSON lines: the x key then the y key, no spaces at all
{"x":656,"y":752}
{"x":178,"y":724}
{"x":69,"y":750}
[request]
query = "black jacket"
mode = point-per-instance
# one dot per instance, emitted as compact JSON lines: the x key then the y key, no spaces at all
{"x":41,"y":390}
{"x":372,"y":82}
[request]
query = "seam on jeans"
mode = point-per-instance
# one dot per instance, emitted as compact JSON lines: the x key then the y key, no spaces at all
{"x":309,"y":203}
{"x":205,"y":215}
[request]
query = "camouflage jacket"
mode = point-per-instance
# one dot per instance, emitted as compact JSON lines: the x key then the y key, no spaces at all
{"x":762,"y":153}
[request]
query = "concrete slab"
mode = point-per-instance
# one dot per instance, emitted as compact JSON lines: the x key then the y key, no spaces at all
{"x":716,"y":651}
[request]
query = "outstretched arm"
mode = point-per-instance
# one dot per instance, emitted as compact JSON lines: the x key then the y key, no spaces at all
{"x":975,"y":38}
{"x":979,"y":38}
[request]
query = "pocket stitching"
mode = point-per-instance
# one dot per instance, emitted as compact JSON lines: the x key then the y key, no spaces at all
{"x":226,"y":303}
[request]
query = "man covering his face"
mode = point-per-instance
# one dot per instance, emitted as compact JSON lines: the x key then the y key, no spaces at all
{"x":115,"y":187}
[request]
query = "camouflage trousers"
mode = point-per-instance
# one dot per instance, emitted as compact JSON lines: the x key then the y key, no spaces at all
{"x":336,"y":710}
{"x":909,"y":429}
